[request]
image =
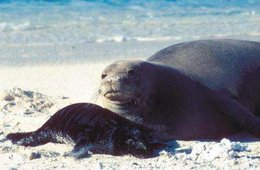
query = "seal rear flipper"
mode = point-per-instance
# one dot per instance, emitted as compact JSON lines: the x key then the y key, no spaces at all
{"x":238,"y":113}
{"x":14,"y":137}
{"x":31,"y":138}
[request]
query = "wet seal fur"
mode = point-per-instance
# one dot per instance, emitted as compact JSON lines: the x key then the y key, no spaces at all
{"x":93,"y":130}
{"x":207,"y":89}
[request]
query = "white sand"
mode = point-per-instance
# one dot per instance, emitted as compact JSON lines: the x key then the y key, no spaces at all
{"x":78,"y":82}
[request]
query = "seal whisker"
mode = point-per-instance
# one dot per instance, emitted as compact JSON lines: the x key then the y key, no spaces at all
{"x":95,"y":96}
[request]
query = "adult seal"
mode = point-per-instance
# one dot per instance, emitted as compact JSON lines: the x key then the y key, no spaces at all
{"x":207,"y":89}
{"x":92,"y":129}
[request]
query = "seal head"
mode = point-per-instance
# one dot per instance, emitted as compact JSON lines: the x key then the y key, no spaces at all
{"x":125,"y":88}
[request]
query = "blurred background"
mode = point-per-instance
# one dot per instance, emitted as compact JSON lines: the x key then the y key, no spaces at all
{"x":60,"y":31}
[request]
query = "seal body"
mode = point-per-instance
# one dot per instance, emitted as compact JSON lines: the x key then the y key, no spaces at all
{"x":227,"y":66}
{"x":91,"y":129}
{"x":196,"y":90}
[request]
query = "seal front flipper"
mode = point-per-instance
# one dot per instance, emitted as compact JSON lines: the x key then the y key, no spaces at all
{"x":238,"y":113}
{"x":80,"y":150}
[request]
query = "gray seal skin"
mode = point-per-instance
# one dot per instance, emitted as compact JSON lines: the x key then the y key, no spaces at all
{"x":92,"y":129}
{"x":207,"y":89}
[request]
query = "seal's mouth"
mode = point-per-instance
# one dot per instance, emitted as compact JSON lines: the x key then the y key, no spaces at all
{"x":117,"y":96}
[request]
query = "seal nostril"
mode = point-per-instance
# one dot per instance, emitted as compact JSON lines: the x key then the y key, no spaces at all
{"x":103,"y":76}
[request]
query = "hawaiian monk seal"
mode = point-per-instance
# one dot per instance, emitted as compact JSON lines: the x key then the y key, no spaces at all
{"x":93,"y":130}
{"x":205,"y":89}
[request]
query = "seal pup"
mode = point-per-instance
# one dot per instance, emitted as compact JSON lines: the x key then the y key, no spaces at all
{"x":91,"y":129}
{"x":206,"y":89}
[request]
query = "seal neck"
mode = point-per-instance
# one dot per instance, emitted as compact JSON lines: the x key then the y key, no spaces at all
{"x":127,"y":110}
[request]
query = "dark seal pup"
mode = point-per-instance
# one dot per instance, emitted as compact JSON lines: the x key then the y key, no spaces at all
{"x":93,"y":130}
{"x":206,"y":89}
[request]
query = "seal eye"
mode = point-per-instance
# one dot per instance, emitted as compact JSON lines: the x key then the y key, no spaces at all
{"x":132,"y":73}
{"x":103,"y":76}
